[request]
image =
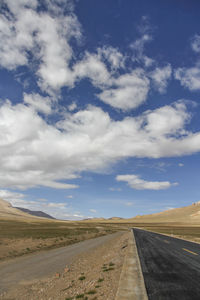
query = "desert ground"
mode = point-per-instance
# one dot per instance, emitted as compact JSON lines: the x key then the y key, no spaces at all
{"x":92,"y":275}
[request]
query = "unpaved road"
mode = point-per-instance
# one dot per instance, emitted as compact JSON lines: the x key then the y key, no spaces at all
{"x":44,"y":264}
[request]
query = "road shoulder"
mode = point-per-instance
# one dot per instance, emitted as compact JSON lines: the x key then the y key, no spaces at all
{"x":131,"y":284}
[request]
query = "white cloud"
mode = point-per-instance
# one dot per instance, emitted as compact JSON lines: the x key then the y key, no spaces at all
{"x":135,"y":182}
{"x":138,"y":50}
{"x":60,"y":205}
{"x":113,"y":57}
{"x":14,"y":196}
{"x":93,"y":210}
{"x":196,"y":43}
{"x":128,"y":91}
{"x":70,"y":196}
{"x":92,"y":67}
{"x":42,"y":39}
{"x":72,"y":106}
{"x":24,"y":30}
{"x":189,"y":77}
{"x":160,"y":77}
{"x":36,"y":153}
{"x":180,"y":164}
{"x":59,"y":210}
{"x":39,"y":103}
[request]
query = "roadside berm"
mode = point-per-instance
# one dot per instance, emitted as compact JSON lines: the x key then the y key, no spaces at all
{"x":108,"y":272}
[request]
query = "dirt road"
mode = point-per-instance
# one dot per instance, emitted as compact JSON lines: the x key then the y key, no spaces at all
{"x":44,"y":264}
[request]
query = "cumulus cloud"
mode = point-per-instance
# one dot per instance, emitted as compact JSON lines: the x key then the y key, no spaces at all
{"x":196,"y":43}
{"x":92,"y":67}
{"x":24,"y":30}
{"x":72,"y":106}
{"x":42,"y":39}
{"x":135,"y":182}
{"x":113,"y":56}
{"x":36,"y":153}
{"x":190,"y":77}
{"x":39,"y":103}
{"x":128,"y":91}
{"x":160,"y":77}
{"x":12,"y":197}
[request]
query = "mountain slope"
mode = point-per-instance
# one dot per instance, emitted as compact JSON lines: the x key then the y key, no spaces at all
{"x":187,"y":214}
{"x":7,"y":211}
{"x":35,"y":213}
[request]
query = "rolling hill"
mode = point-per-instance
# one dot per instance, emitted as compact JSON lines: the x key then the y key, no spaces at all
{"x":7,"y":211}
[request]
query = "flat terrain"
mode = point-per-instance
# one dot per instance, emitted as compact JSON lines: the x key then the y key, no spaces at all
{"x":92,"y":274}
{"x":18,"y":238}
{"x":171,"y":267}
{"x":45,"y":263}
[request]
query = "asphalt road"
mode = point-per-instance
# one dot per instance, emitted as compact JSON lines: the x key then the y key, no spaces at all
{"x":44,"y":264}
{"x":171,"y":267}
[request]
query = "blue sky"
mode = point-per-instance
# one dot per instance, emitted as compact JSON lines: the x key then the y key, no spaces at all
{"x":99,"y":106}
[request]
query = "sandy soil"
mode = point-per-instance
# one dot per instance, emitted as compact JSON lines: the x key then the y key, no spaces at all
{"x":94,"y":275}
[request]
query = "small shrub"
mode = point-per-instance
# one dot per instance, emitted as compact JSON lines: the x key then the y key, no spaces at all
{"x":100,"y":279}
{"x":80,"y":296}
{"x":97,"y":286}
{"x":111,"y":264}
{"x":91,"y":292}
{"x":109,"y":269}
{"x":82,"y":278}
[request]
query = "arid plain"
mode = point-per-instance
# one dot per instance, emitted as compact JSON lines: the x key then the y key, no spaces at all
{"x":23,"y":235}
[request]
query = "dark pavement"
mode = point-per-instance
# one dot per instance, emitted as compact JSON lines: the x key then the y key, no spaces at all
{"x":171,"y":267}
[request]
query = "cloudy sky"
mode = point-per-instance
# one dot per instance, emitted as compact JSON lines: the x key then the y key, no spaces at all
{"x":99,"y":106}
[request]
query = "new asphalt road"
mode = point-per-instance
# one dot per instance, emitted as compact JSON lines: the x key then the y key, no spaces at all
{"x":171,"y":267}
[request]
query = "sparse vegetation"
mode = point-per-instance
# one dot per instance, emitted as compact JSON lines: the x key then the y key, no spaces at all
{"x":80,"y":296}
{"x":91,"y":292}
{"x":82,"y":278}
{"x":34,"y":236}
{"x":100,"y":280}
{"x":108,"y":269}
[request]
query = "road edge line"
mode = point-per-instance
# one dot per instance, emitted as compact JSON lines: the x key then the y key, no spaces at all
{"x":131,"y":282}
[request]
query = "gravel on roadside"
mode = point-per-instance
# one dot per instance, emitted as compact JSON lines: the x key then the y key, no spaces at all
{"x":91,"y":276}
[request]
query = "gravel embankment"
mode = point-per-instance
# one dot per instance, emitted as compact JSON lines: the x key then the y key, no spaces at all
{"x":93,"y":275}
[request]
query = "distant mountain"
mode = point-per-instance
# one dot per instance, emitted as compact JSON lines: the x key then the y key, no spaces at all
{"x":116,"y":218}
{"x":7,"y":211}
{"x":35,"y":213}
{"x":187,"y":214}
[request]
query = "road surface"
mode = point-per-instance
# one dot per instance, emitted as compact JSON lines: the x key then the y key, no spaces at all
{"x":46,"y":263}
{"x":171,"y":267}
